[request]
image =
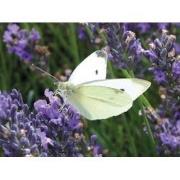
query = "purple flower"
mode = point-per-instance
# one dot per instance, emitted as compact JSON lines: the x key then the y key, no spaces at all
{"x":176,"y":68}
{"x":81,"y":33}
{"x":138,"y":27}
{"x":126,"y":51}
{"x":12,"y":30}
{"x":46,"y":131}
{"x":151,"y":55}
{"x":34,"y":35}
{"x":96,"y":148}
{"x":166,"y":70}
{"x":177,"y":118}
{"x":44,"y":139}
{"x":169,"y":140}
{"x":17,"y":133}
{"x":143,"y":27}
{"x":177,"y":48}
{"x":21,"y":42}
{"x":162,"y":26}
{"x":159,"y":76}
{"x":161,"y":53}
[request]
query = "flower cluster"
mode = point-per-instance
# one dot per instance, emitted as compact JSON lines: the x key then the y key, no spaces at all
{"x":146,"y":28}
{"x":162,"y":55}
{"x":125,"y":50}
{"x":20,"y":41}
{"x":141,"y":28}
{"x":46,"y":131}
{"x":165,"y":66}
{"x":25,"y":44}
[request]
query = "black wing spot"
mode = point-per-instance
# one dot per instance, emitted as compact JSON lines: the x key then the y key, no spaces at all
{"x":96,"y":71}
{"x":122,"y":90}
{"x":117,"y":91}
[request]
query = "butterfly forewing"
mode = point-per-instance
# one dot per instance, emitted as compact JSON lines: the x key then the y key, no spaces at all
{"x":91,"y":69}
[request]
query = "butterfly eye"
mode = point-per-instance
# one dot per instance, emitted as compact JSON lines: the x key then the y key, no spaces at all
{"x":96,"y":71}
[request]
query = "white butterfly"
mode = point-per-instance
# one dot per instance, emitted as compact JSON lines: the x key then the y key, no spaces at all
{"x":94,"y":97}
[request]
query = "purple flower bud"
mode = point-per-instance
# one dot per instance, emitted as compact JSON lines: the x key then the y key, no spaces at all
{"x":177,"y":47}
{"x":34,"y":35}
{"x":162,"y":26}
{"x":150,"y":55}
{"x":81,"y":33}
{"x":159,"y":76}
{"x":176,"y":68}
{"x":143,"y":27}
{"x":13,"y":28}
{"x":169,"y":140}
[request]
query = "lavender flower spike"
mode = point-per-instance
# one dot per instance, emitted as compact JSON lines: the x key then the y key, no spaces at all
{"x":20,"y":41}
{"x":43,"y":132}
{"x":166,"y":70}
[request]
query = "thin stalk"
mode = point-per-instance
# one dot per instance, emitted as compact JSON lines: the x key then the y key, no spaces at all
{"x":89,"y":32}
{"x":141,"y":100}
{"x":4,"y":75}
{"x":110,"y":69}
{"x":125,"y":73}
{"x":73,"y":43}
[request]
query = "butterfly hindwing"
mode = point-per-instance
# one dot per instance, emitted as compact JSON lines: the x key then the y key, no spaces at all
{"x":132,"y":86}
{"x":97,"y":102}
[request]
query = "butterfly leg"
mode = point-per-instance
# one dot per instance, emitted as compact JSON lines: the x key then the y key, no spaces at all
{"x":59,"y":93}
{"x":64,"y":111}
{"x":62,"y":107}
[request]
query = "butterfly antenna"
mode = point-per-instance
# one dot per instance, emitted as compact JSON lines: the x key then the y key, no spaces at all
{"x":44,"y":72}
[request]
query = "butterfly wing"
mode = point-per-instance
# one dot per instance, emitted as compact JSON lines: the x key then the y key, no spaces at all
{"x":91,"y":69}
{"x":97,"y":102}
{"x":132,"y":86}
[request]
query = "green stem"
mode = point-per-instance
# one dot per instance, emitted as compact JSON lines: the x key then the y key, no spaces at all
{"x":145,"y":101}
{"x":125,"y":73}
{"x":89,"y":32}
{"x":4,"y":74}
{"x":110,"y":69}
{"x":73,"y":41}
